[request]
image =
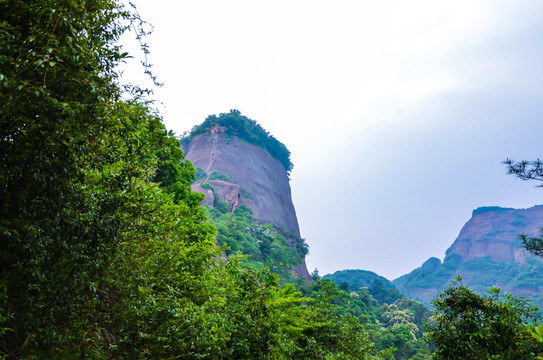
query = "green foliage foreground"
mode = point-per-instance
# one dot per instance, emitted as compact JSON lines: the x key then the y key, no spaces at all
{"x":265,"y":244}
{"x":104,"y":250}
{"x":470,"y":326}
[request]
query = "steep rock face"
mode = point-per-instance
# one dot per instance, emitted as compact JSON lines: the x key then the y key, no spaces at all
{"x":254,"y":170}
{"x":226,"y":191}
{"x":486,"y":253}
{"x":493,"y":232}
{"x":259,"y":181}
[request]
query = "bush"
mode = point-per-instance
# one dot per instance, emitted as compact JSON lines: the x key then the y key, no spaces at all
{"x":246,"y":194}
{"x":207,"y":185}
{"x":217,"y":175}
{"x":200,"y":174}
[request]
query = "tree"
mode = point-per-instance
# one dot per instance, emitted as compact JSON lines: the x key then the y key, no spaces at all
{"x":470,"y":326}
{"x":84,"y":226}
{"x":57,"y":96}
{"x":325,"y":330}
{"x":529,"y":170}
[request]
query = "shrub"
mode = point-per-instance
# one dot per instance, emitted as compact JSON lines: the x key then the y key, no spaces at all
{"x":217,"y":175}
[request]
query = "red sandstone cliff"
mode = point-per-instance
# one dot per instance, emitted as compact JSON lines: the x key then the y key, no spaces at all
{"x":492,"y":232}
{"x":259,"y":181}
{"x":487,"y":253}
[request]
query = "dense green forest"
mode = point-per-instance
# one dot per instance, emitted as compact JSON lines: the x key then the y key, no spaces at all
{"x":105,"y":252}
{"x":391,"y":320}
{"x":390,"y":317}
{"x":246,"y":129}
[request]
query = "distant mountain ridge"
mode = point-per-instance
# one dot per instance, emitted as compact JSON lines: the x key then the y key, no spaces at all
{"x":487,"y":253}
{"x":359,"y":278}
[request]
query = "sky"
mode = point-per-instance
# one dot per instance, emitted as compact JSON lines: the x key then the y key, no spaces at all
{"x":398,"y":114}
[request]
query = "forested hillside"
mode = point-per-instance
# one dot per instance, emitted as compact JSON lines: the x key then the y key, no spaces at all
{"x":359,"y":278}
{"x":265,"y":244}
{"x":391,"y":318}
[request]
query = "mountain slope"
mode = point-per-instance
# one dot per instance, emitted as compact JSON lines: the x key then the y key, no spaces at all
{"x":486,"y":253}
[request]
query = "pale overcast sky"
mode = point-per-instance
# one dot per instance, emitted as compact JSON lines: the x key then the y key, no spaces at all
{"x":397,"y":113}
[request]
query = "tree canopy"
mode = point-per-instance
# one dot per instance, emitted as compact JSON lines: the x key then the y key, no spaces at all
{"x":528,"y":170}
{"x":470,"y":326}
{"x":248,"y":130}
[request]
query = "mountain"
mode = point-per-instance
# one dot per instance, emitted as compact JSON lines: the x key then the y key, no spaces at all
{"x":359,"y":278}
{"x":238,"y":163}
{"x":487,"y":253}
{"x":382,"y":289}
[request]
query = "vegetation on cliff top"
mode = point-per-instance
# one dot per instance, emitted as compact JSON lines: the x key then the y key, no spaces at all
{"x":486,"y":209}
{"x":236,"y":124}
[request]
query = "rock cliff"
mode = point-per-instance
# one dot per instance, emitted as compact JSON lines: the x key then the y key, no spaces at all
{"x":486,"y":253}
{"x":244,"y":174}
{"x":492,"y":232}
